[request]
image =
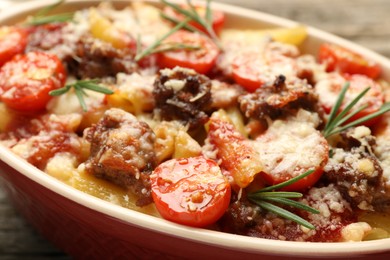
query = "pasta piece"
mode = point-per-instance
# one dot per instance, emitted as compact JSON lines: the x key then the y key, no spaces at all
{"x":186,"y":146}
{"x":172,"y":141}
{"x":164,"y":145}
{"x":134,"y":93}
{"x":62,"y":166}
{"x":237,"y":154}
{"x":101,"y":28}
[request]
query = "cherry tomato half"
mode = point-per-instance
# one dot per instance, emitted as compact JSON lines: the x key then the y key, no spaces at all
{"x":252,"y":69}
{"x":27,"y":79}
{"x":290,"y":148}
{"x":218,"y":17}
{"x":12,"y":41}
{"x":190,"y":191}
{"x":337,"y":58}
{"x":201,"y":60}
{"x":329,"y":89}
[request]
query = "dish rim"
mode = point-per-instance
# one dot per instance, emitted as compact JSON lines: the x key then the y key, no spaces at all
{"x":197,"y":235}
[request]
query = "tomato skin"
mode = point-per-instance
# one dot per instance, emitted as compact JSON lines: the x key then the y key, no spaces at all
{"x":13,"y":41}
{"x":27,"y":79}
{"x":337,"y":58}
{"x":252,"y":69}
{"x":218,"y":18}
{"x":190,"y":191}
{"x":374,"y":98}
{"x":201,"y":60}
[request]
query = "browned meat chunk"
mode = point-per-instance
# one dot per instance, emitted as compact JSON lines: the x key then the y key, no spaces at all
{"x":357,"y":172}
{"x":278,"y":98}
{"x":245,"y":218}
{"x":184,"y":95}
{"x":96,"y":59}
{"x":122,"y":151}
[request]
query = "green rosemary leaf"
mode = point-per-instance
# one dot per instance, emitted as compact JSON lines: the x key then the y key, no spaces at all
{"x":40,"y":20}
{"x":152,"y":47}
{"x":41,"y":16}
{"x":175,"y":47}
{"x":192,"y":14}
{"x":284,"y":213}
{"x":193,"y":10}
{"x":91,"y":85}
{"x":183,"y":11}
{"x":385,"y":108}
{"x":79,"y":89}
{"x":292,"y":203}
{"x":331,"y":153}
{"x":80,"y":93}
{"x":350,"y":105}
{"x":336,"y":121}
{"x":286,"y":183}
{"x":209,"y":18}
{"x":48,"y":8}
{"x":336,"y":129}
{"x":336,"y":107}
{"x":60,"y":91}
{"x":175,"y":21}
{"x":350,"y":115}
{"x":279,"y":194}
{"x":261,"y":197}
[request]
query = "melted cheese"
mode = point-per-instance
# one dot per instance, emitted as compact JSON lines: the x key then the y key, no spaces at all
{"x":287,"y":147}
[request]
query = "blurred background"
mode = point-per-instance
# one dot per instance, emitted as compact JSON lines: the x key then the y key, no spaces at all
{"x":365,"y":22}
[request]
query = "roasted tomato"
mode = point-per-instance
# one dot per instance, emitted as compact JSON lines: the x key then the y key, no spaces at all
{"x":286,"y":151}
{"x":252,"y":69}
{"x":190,"y":191}
{"x":201,"y":59}
{"x":218,"y":17}
{"x":13,"y":41}
{"x":337,"y":58}
{"x":26,"y":80}
{"x":329,"y":89}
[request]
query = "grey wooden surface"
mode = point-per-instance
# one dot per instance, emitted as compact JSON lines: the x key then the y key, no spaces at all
{"x":366,"y":22}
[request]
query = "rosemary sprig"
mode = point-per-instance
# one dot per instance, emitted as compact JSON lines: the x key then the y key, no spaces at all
{"x":175,"y":21}
{"x":265,"y":198}
{"x":175,"y":46}
{"x":193,"y":15}
{"x":41,"y":16}
{"x":47,"y":9}
{"x":337,"y":119}
{"x":152,"y":48}
{"x":79,"y":88}
{"x":56,"y":18}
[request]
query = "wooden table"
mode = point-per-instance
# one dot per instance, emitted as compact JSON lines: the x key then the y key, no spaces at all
{"x":366,"y":22}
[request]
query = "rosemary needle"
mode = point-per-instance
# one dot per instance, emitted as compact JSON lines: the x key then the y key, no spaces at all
{"x":337,"y":119}
{"x":193,"y":15}
{"x":151,"y":49}
{"x":265,"y":198}
{"x":56,"y":18}
{"x":79,"y":87}
{"x":41,"y":16}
